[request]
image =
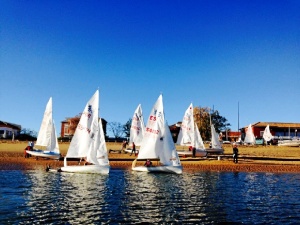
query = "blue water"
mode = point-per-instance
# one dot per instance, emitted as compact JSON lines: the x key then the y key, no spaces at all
{"x":126,"y":197}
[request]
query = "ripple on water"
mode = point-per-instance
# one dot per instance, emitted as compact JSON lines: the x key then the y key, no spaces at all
{"x":130,"y":197}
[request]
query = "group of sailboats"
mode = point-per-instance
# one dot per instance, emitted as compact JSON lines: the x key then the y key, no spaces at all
{"x":154,"y":140}
{"x":87,"y":145}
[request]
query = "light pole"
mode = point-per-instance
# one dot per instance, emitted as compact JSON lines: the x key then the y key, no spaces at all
{"x":295,"y":132}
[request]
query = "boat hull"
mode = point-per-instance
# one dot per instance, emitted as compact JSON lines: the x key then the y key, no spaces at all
{"x":156,"y":169}
{"x":199,"y":153}
{"x":215,"y":150}
{"x":289,"y":143}
{"x":44,"y":154}
{"x":94,"y":169}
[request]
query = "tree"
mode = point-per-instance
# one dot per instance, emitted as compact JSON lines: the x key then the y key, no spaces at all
{"x":126,"y":128}
{"x":27,"y":134}
{"x":219,"y":122}
{"x":203,"y":118}
{"x":116,"y":128}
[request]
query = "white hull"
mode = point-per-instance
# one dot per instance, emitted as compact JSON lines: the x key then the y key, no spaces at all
{"x":45,"y":154}
{"x":96,"y":169}
{"x":164,"y":169}
{"x":289,"y":143}
{"x":215,"y":150}
{"x":199,"y":153}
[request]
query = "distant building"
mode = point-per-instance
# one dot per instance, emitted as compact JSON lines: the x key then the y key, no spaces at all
{"x":277,"y":129}
{"x":9,"y":130}
{"x":67,"y":133}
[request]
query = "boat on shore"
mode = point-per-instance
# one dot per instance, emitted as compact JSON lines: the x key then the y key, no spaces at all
{"x":158,"y":144}
{"x":295,"y":142}
{"x":189,"y":135}
{"x":215,"y":145}
{"x":46,"y":145}
{"x":137,"y":129}
{"x":88,"y":143}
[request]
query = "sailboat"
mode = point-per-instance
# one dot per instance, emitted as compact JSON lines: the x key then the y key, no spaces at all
{"x":216,"y":146}
{"x":267,"y":136}
{"x":137,"y":128}
{"x":158,"y":144}
{"x":189,"y":135}
{"x":250,"y":138}
{"x":46,"y":145}
{"x":88,"y":142}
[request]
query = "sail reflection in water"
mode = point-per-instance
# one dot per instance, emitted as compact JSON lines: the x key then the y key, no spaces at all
{"x":132,"y":197}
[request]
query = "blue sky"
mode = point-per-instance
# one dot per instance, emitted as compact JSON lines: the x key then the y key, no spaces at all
{"x":208,"y":52}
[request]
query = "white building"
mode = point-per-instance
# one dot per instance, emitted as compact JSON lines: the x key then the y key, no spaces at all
{"x":9,"y":130}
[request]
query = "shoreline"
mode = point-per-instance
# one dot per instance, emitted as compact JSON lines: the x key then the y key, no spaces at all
{"x":16,"y":161}
{"x":271,"y":159}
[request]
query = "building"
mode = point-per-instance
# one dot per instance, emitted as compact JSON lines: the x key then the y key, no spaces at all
{"x":278,"y":130}
{"x":9,"y":130}
{"x":66,"y":131}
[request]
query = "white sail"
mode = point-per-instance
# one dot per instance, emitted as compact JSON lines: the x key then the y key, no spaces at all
{"x":84,"y":139}
{"x":46,"y":144}
{"x":267,"y":134}
{"x":102,"y":156}
{"x":198,"y":142}
{"x":152,"y":142}
{"x":187,"y":131}
{"x":45,"y":132}
{"x":250,"y":138}
{"x":53,"y":145}
{"x":215,"y":143}
{"x":137,"y":126}
{"x":168,"y":156}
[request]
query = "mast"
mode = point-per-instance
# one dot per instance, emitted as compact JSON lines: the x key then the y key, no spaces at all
{"x":238,"y":116}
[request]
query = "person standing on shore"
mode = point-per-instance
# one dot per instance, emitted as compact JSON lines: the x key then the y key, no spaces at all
{"x":133,"y":149}
{"x":194,"y":152}
{"x":235,"y":153}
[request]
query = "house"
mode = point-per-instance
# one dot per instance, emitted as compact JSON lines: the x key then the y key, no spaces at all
{"x":69,"y":125}
{"x":9,"y":130}
{"x":277,"y":129}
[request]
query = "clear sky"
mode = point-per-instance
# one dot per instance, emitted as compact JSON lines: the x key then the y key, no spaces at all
{"x":208,"y":52}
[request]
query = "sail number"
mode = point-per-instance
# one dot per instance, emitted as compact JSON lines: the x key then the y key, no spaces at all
{"x":150,"y":130}
{"x":80,"y":127}
{"x":153,"y":118}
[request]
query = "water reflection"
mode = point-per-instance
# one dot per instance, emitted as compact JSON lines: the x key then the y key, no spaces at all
{"x":132,"y":197}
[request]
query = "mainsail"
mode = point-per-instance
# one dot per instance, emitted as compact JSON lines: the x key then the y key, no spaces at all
{"x":45,"y":132}
{"x":186,"y":134}
{"x":137,"y":128}
{"x":267,"y":134}
{"x":250,"y":138}
{"x":215,"y":143}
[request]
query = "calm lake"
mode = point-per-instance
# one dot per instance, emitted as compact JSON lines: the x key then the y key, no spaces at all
{"x":126,"y":197}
